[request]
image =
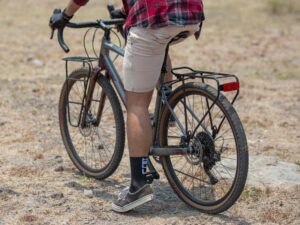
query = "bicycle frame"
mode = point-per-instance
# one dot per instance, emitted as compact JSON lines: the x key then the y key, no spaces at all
{"x":105,"y":63}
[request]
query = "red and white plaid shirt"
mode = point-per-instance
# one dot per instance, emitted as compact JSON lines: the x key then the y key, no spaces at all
{"x":160,"y":13}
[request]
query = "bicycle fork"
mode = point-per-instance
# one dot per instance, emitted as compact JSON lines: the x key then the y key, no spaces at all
{"x":88,"y":101}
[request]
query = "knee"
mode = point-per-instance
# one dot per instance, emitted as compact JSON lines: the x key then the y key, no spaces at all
{"x":138,"y":102}
{"x":137,"y":109}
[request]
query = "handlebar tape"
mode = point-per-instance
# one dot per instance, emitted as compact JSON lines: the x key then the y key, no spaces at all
{"x":61,"y":41}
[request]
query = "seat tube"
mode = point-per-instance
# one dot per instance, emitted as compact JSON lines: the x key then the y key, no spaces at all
{"x":158,"y":103}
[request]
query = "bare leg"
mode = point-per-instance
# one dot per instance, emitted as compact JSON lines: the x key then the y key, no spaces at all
{"x":139,"y":131}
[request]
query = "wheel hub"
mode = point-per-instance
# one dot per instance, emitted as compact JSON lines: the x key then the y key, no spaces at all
{"x":208,"y":146}
{"x":196,"y":157}
{"x":89,"y":124}
{"x":203,"y":150}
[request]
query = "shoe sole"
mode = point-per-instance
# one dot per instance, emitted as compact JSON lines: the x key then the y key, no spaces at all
{"x":134,"y":204}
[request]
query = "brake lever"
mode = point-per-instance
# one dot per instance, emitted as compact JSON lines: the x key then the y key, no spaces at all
{"x":52,"y":33}
{"x":56,"y":11}
{"x":110,"y":8}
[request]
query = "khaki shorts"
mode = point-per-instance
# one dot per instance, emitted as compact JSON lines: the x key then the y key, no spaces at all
{"x":144,"y":55}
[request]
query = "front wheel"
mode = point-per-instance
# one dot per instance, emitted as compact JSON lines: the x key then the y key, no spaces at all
{"x":212,"y":177}
{"x":96,"y":149}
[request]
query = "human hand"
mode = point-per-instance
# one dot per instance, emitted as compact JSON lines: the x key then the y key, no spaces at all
{"x":59,"y":19}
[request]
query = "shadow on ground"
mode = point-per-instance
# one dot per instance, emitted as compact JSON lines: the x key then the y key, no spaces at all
{"x":166,"y":205}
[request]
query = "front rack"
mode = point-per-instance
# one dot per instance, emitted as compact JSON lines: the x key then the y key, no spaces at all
{"x":88,"y":63}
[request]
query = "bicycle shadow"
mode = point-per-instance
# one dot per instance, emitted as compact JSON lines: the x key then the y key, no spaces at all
{"x":166,"y":205}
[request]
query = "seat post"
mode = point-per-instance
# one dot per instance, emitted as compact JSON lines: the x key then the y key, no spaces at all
{"x":164,"y":66}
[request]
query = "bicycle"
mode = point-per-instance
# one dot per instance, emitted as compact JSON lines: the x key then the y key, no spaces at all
{"x":204,"y":156}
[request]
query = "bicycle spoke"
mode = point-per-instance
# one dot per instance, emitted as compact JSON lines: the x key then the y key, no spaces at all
{"x":182,"y":111}
{"x":191,"y":176}
{"x":221,"y":178}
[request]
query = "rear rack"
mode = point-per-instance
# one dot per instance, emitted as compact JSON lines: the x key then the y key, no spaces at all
{"x":86,"y":62}
{"x":222,"y":82}
{"x":225,"y":82}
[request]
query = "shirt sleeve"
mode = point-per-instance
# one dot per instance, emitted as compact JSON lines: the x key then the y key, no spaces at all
{"x":80,"y":2}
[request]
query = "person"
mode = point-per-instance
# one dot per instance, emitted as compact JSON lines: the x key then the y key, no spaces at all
{"x":149,"y":25}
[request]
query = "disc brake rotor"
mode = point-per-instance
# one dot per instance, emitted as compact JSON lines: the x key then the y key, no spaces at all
{"x":88,"y":129}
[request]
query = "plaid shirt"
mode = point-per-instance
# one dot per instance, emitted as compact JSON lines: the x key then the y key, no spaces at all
{"x":160,"y":13}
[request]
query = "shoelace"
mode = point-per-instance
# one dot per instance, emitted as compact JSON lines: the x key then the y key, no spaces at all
{"x":122,"y":195}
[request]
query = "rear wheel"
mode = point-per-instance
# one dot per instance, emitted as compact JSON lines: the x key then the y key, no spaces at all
{"x":97,"y":148}
{"x":212,"y":178}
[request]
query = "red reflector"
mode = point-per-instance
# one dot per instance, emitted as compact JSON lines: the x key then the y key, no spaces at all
{"x":233,"y":86}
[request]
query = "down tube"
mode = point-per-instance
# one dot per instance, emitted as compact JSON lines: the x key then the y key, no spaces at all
{"x":115,"y":78}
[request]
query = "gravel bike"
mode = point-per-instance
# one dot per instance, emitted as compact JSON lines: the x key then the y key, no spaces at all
{"x":198,"y":137}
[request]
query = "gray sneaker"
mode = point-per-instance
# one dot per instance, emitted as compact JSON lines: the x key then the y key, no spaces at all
{"x":127,"y":201}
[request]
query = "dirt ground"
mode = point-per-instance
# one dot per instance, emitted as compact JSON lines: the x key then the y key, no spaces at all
{"x":258,"y":40}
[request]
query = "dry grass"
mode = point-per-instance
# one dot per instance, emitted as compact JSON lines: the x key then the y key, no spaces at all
{"x":275,"y":215}
{"x":38,"y":156}
{"x":24,"y":171}
{"x":280,"y":7}
{"x":252,"y":194}
{"x":28,"y":218}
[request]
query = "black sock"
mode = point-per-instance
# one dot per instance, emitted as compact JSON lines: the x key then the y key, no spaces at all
{"x":138,"y":167}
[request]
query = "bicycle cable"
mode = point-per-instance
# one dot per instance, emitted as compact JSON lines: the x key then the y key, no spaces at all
{"x":85,"y":49}
{"x":93,"y":41}
{"x":120,"y":44}
{"x":93,"y":44}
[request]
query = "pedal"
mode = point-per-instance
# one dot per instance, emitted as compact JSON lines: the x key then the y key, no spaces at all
{"x":149,"y":179}
{"x":155,"y":175}
{"x":151,"y":176}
